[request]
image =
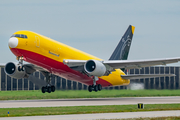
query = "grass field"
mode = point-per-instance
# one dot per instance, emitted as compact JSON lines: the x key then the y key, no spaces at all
{"x":84,"y":109}
{"x":23,"y":95}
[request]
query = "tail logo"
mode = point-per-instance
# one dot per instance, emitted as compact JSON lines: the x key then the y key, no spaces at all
{"x":122,"y":50}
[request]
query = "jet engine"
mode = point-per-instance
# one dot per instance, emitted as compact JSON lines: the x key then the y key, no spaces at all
{"x":95,"y":68}
{"x":15,"y":71}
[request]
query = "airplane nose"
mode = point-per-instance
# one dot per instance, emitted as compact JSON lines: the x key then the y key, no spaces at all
{"x":13,"y":42}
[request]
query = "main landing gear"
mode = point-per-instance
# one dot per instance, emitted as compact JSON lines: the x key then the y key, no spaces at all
{"x":95,"y":87}
{"x":49,"y":88}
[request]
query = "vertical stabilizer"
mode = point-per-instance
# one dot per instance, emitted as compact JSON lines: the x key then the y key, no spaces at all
{"x":122,"y":50}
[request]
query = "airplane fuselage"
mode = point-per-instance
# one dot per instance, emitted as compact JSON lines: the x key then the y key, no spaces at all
{"x":49,"y":54}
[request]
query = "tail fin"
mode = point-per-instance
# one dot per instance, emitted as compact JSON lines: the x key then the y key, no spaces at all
{"x":122,"y":50}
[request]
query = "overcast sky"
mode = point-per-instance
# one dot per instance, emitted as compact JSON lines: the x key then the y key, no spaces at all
{"x":96,"y":26}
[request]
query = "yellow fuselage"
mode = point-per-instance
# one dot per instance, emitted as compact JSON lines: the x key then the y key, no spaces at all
{"x":49,"y":54}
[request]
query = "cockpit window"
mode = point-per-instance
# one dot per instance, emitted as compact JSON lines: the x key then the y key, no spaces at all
{"x":19,"y":35}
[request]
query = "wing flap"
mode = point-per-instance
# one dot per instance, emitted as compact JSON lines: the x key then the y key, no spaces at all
{"x":140,"y":76}
{"x":37,"y":81}
{"x":30,"y":68}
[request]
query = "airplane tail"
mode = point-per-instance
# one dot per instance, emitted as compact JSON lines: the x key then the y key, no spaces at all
{"x":122,"y":50}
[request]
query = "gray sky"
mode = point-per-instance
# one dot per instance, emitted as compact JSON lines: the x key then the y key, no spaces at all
{"x":96,"y":26}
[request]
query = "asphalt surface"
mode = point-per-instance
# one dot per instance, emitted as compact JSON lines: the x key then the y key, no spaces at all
{"x":99,"y":116}
{"x":87,"y":102}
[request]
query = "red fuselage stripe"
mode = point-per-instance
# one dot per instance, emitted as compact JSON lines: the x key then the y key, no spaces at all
{"x":57,"y":68}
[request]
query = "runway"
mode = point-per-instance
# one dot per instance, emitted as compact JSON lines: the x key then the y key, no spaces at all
{"x":88,"y":102}
{"x":100,"y":116}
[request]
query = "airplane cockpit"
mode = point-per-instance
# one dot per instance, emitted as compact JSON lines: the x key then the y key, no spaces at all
{"x":19,"y":35}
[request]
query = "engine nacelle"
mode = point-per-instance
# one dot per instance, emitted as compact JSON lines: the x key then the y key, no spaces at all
{"x":14,"y":70}
{"x":95,"y":68}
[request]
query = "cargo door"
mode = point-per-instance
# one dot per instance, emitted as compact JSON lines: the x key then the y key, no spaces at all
{"x":37,"y":41}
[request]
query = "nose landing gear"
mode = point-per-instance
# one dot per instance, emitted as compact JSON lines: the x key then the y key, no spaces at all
{"x":20,"y":59}
{"x":48,"y":88}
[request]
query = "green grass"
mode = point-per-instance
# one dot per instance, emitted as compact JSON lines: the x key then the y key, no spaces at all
{"x":36,"y":94}
{"x":84,"y":109}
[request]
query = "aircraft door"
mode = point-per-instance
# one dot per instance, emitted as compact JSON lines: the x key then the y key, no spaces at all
{"x":37,"y":41}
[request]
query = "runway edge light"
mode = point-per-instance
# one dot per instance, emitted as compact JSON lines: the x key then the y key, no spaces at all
{"x":140,"y":106}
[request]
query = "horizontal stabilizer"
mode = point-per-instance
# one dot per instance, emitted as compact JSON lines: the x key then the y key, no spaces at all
{"x":140,"y":76}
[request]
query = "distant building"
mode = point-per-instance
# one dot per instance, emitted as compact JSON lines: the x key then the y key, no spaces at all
{"x":8,"y":83}
{"x":159,"y":82}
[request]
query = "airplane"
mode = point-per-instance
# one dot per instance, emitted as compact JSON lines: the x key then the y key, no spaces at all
{"x":51,"y":57}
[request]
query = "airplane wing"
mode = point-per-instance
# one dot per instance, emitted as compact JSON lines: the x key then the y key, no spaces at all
{"x":30,"y":68}
{"x":127,"y":64}
{"x":2,"y":64}
{"x":131,"y":64}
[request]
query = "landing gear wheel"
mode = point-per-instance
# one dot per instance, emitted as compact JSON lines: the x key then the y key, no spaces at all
{"x":99,"y":87}
{"x":49,"y":89}
{"x":19,"y":68}
{"x":43,"y":89}
{"x":95,"y":88}
{"x":52,"y":88}
{"x":22,"y":68}
{"x":90,"y":88}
